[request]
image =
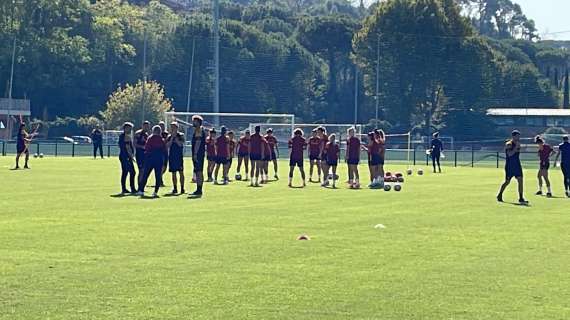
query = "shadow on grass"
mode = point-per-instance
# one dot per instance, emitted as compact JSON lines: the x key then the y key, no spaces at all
{"x":194,"y":197}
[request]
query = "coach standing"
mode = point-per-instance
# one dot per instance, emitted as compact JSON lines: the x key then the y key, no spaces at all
{"x":198,"y":153}
{"x":564,"y":151}
{"x":97,"y":140}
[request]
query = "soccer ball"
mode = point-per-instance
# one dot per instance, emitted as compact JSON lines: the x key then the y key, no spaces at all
{"x":387,"y":187}
{"x":35,"y":155}
{"x":400,"y":180}
{"x":421,"y":172}
{"x":398,"y":188}
{"x":238,"y":177}
{"x":331,"y":176}
{"x":409,"y":172}
{"x":41,"y":155}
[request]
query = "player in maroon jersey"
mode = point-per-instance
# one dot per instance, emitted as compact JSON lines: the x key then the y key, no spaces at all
{"x":274,"y":151}
{"x":297,"y":144}
{"x":222,"y":156}
{"x":211,"y":153}
{"x":243,"y":153}
{"x":314,"y":150}
{"x":545,"y":151}
{"x":333,"y":153}
{"x":322,"y":134}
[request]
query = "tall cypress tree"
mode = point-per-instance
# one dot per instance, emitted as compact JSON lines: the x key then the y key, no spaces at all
{"x":566,"y":91}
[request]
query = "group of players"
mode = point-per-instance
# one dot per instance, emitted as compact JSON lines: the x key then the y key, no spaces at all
{"x":513,"y":166}
{"x":155,"y":149}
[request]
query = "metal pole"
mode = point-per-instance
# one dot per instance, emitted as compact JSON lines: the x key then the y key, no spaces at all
{"x":143,"y":98}
{"x":355,"y":95}
{"x":377,"y":81}
{"x":10,"y":102}
{"x":191,"y":75}
{"x":216,"y":28}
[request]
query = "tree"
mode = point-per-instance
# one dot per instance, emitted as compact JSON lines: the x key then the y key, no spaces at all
{"x":566,"y":102}
{"x":126,"y":104}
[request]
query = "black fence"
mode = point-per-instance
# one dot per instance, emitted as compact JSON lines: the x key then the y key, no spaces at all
{"x":455,"y":158}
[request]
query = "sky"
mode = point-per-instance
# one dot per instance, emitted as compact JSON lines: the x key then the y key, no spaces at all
{"x":550,"y":16}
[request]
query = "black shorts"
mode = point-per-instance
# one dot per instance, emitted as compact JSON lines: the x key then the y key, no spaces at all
{"x":243,"y":155}
{"x":331,"y":163}
{"x":198,"y":163}
{"x":513,"y":170}
{"x":296,"y":163}
{"x":353,"y":162}
{"x":376,"y":160}
{"x":565,"y":169}
{"x":273,"y":156}
{"x":544,"y":165}
{"x":255,"y":157}
{"x":175,"y":164}
{"x":21,"y":149}
{"x":314,"y":157}
{"x":127,"y":164}
{"x":221,"y":160}
{"x":212,"y":158}
{"x":435,"y":155}
{"x":267,"y":158}
{"x":139,"y":155}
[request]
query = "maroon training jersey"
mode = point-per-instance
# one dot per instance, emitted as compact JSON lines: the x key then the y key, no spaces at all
{"x":297,"y":145}
{"x":544,"y":154}
{"x":243,"y":146}
{"x":332,"y":151}
{"x":314,"y":146}
{"x":222,"y":144}
{"x":210,"y":147}
{"x":272,"y":141}
{"x":255,"y":144}
{"x":353,"y":145}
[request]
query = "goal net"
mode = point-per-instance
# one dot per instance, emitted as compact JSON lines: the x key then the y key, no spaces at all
{"x":284,"y":132}
{"x":111,"y":137}
{"x":237,"y":122}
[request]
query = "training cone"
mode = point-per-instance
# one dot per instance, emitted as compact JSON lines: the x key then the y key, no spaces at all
{"x":303,"y":237}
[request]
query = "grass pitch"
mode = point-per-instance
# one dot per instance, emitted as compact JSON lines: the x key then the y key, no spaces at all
{"x":68,"y":250}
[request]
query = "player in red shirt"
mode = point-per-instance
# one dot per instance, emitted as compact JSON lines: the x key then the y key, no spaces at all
{"x":352,"y":158}
{"x":211,"y":153}
{"x":274,"y":151}
{"x":322,"y":134}
{"x":243,"y":153}
{"x":544,"y":153}
{"x":222,"y":156}
{"x":380,"y":137}
{"x":314,"y":151}
{"x":256,"y":155}
{"x":374,"y":160}
{"x":297,"y":144}
{"x":265,"y":161}
{"x":333,"y":153}
{"x":232,"y":142}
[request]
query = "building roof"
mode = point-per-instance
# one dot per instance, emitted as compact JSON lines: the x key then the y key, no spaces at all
{"x":528,"y":112}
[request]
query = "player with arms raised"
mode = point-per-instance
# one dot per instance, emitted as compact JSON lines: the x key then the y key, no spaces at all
{"x":513,"y":167}
{"x":297,"y":145}
{"x":23,"y":141}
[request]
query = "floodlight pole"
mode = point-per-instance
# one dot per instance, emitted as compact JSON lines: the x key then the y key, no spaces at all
{"x":143,"y":98}
{"x":216,"y":29}
{"x":355,"y":94}
{"x":191,"y":75}
{"x":10,"y":102}
{"x":377,"y":81}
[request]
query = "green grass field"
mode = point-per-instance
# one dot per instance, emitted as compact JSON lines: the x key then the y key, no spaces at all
{"x":69,"y":250}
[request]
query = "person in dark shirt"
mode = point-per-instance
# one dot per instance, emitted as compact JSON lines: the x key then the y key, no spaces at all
{"x":154,"y":151}
{"x":297,"y":144}
{"x":198,"y":153}
{"x":126,"y":157}
{"x":140,"y":138}
{"x":314,"y":150}
{"x":544,"y":153}
{"x":564,"y":152}
{"x":256,"y":155}
{"x":232,"y":142}
{"x":175,"y":145}
{"x":513,"y":167}
{"x":435,"y":151}
{"x":97,"y":140}
{"x":352,"y":158}
{"x":22,"y":146}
